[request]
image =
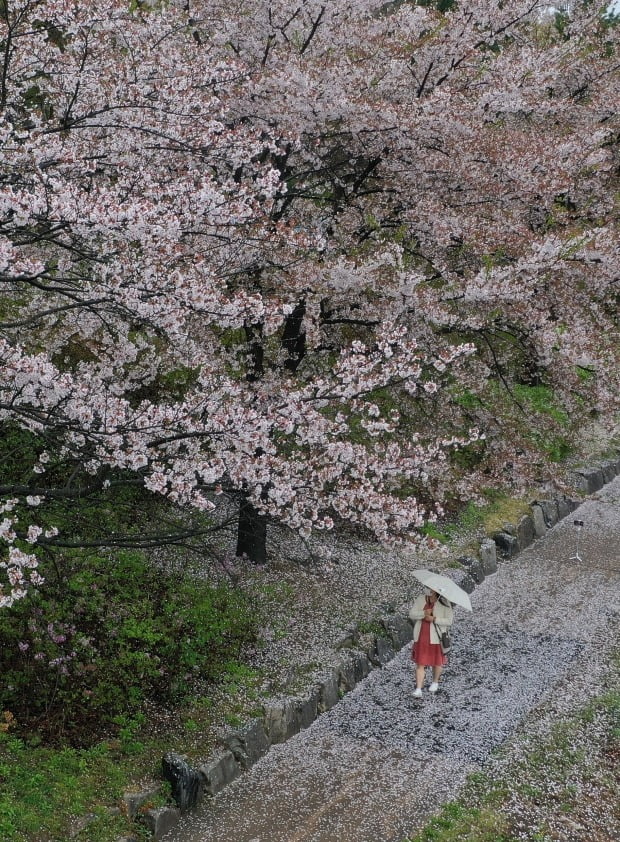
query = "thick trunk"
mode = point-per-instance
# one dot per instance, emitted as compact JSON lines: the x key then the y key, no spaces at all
{"x":294,"y":337}
{"x":252,"y":526}
{"x":252,"y":533}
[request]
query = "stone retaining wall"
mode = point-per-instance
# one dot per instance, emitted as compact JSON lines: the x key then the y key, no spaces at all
{"x":358,"y":654}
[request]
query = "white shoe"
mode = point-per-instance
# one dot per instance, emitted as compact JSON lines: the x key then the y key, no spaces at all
{"x":434,"y":687}
{"x":417,"y":693}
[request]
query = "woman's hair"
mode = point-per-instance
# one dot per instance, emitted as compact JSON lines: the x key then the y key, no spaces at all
{"x":440,"y":598}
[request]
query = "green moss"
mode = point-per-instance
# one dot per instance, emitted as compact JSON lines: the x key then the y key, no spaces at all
{"x":467,"y":399}
{"x":489,"y":518}
{"x":432,"y":531}
{"x":585,"y":374}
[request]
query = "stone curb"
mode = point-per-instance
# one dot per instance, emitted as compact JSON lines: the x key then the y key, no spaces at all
{"x":359,"y":654}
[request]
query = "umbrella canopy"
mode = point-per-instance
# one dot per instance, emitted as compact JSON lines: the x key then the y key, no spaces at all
{"x":444,"y":587}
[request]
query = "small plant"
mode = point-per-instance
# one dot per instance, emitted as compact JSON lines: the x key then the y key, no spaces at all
{"x":372,"y":627}
{"x":128,"y":730}
{"x":458,"y":823}
{"x":431,"y":531}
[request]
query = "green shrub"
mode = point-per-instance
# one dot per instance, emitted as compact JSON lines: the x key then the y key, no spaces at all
{"x":106,"y":633}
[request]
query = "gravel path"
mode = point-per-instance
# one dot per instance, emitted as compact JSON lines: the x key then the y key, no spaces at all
{"x":375,"y":767}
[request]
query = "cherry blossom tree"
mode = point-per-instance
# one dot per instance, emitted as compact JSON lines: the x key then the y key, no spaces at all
{"x":262,"y":249}
{"x":142,"y":252}
{"x":482,"y":143}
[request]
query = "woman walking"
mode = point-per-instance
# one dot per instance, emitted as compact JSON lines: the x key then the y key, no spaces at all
{"x":432,"y":615}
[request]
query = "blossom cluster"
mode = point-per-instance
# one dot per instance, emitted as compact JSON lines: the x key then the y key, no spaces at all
{"x":264,"y":253}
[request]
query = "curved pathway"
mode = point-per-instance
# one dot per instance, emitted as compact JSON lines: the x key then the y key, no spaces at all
{"x":376,"y":767}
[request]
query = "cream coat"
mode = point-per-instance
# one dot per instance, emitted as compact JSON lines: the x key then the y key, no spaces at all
{"x":443,"y":613}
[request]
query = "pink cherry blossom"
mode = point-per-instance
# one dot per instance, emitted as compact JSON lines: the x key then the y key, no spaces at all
{"x":233,"y":236}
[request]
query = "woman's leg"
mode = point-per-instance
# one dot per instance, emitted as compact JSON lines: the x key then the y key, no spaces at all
{"x":419,"y":676}
{"x":437,"y":674}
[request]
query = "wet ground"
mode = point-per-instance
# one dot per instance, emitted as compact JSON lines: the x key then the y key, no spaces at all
{"x":379,"y":764}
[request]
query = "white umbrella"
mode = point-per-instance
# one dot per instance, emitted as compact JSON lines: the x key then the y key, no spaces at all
{"x":444,"y":587}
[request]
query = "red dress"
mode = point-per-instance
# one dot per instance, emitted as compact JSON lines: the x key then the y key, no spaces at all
{"x":425,"y":653}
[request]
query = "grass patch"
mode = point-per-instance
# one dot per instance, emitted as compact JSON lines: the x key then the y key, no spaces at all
{"x":431,"y":530}
{"x":155,"y":666}
{"x":91,"y":648}
{"x":474,"y":519}
{"x":501,"y":511}
{"x":458,"y":823}
{"x":372,"y":627}
{"x":542,"y":401}
{"x":42,"y":788}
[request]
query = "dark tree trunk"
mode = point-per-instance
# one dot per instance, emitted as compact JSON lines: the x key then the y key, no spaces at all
{"x":255,"y":352}
{"x":294,"y":338}
{"x":252,"y":526}
{"x":251,"y":533}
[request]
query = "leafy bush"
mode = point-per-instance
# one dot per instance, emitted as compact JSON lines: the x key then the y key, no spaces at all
{"x":105,"y":634}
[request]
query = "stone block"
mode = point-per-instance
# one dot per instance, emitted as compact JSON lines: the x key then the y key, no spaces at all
{"x":346,"y":675}
{"x":508,"y":545}
{"x":488,"y":556}
{"x":277,"y":720}
{"x":185,"y":781}
{"x":160,"y":821}
{"x":368,"y":643}
{"x":133,"y":801}
{"x":550,"y":511}
{"x":463,"y":580}
{"x":564,"y":507}
{"x":282,"y":720}
{"x":609,"y":470}
{"x":219,"y":772}
{"x":525,"y":531}
{"x":361,"y":665}
{"x":579,"y":481}
{"x":385,"y":650}
{"x":80,"y":824}
{"x":307,"y":707}
{"x":597,"y":479}
{"x":328,"y":693}
{"x":349,"y":638}
{"x":473,"y":567}
{"x":398,"y":629}
{"x":405,"y":629}
{"x":248,"y":744}
{"x":538,"y":517}
{"x":589,"y":480}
